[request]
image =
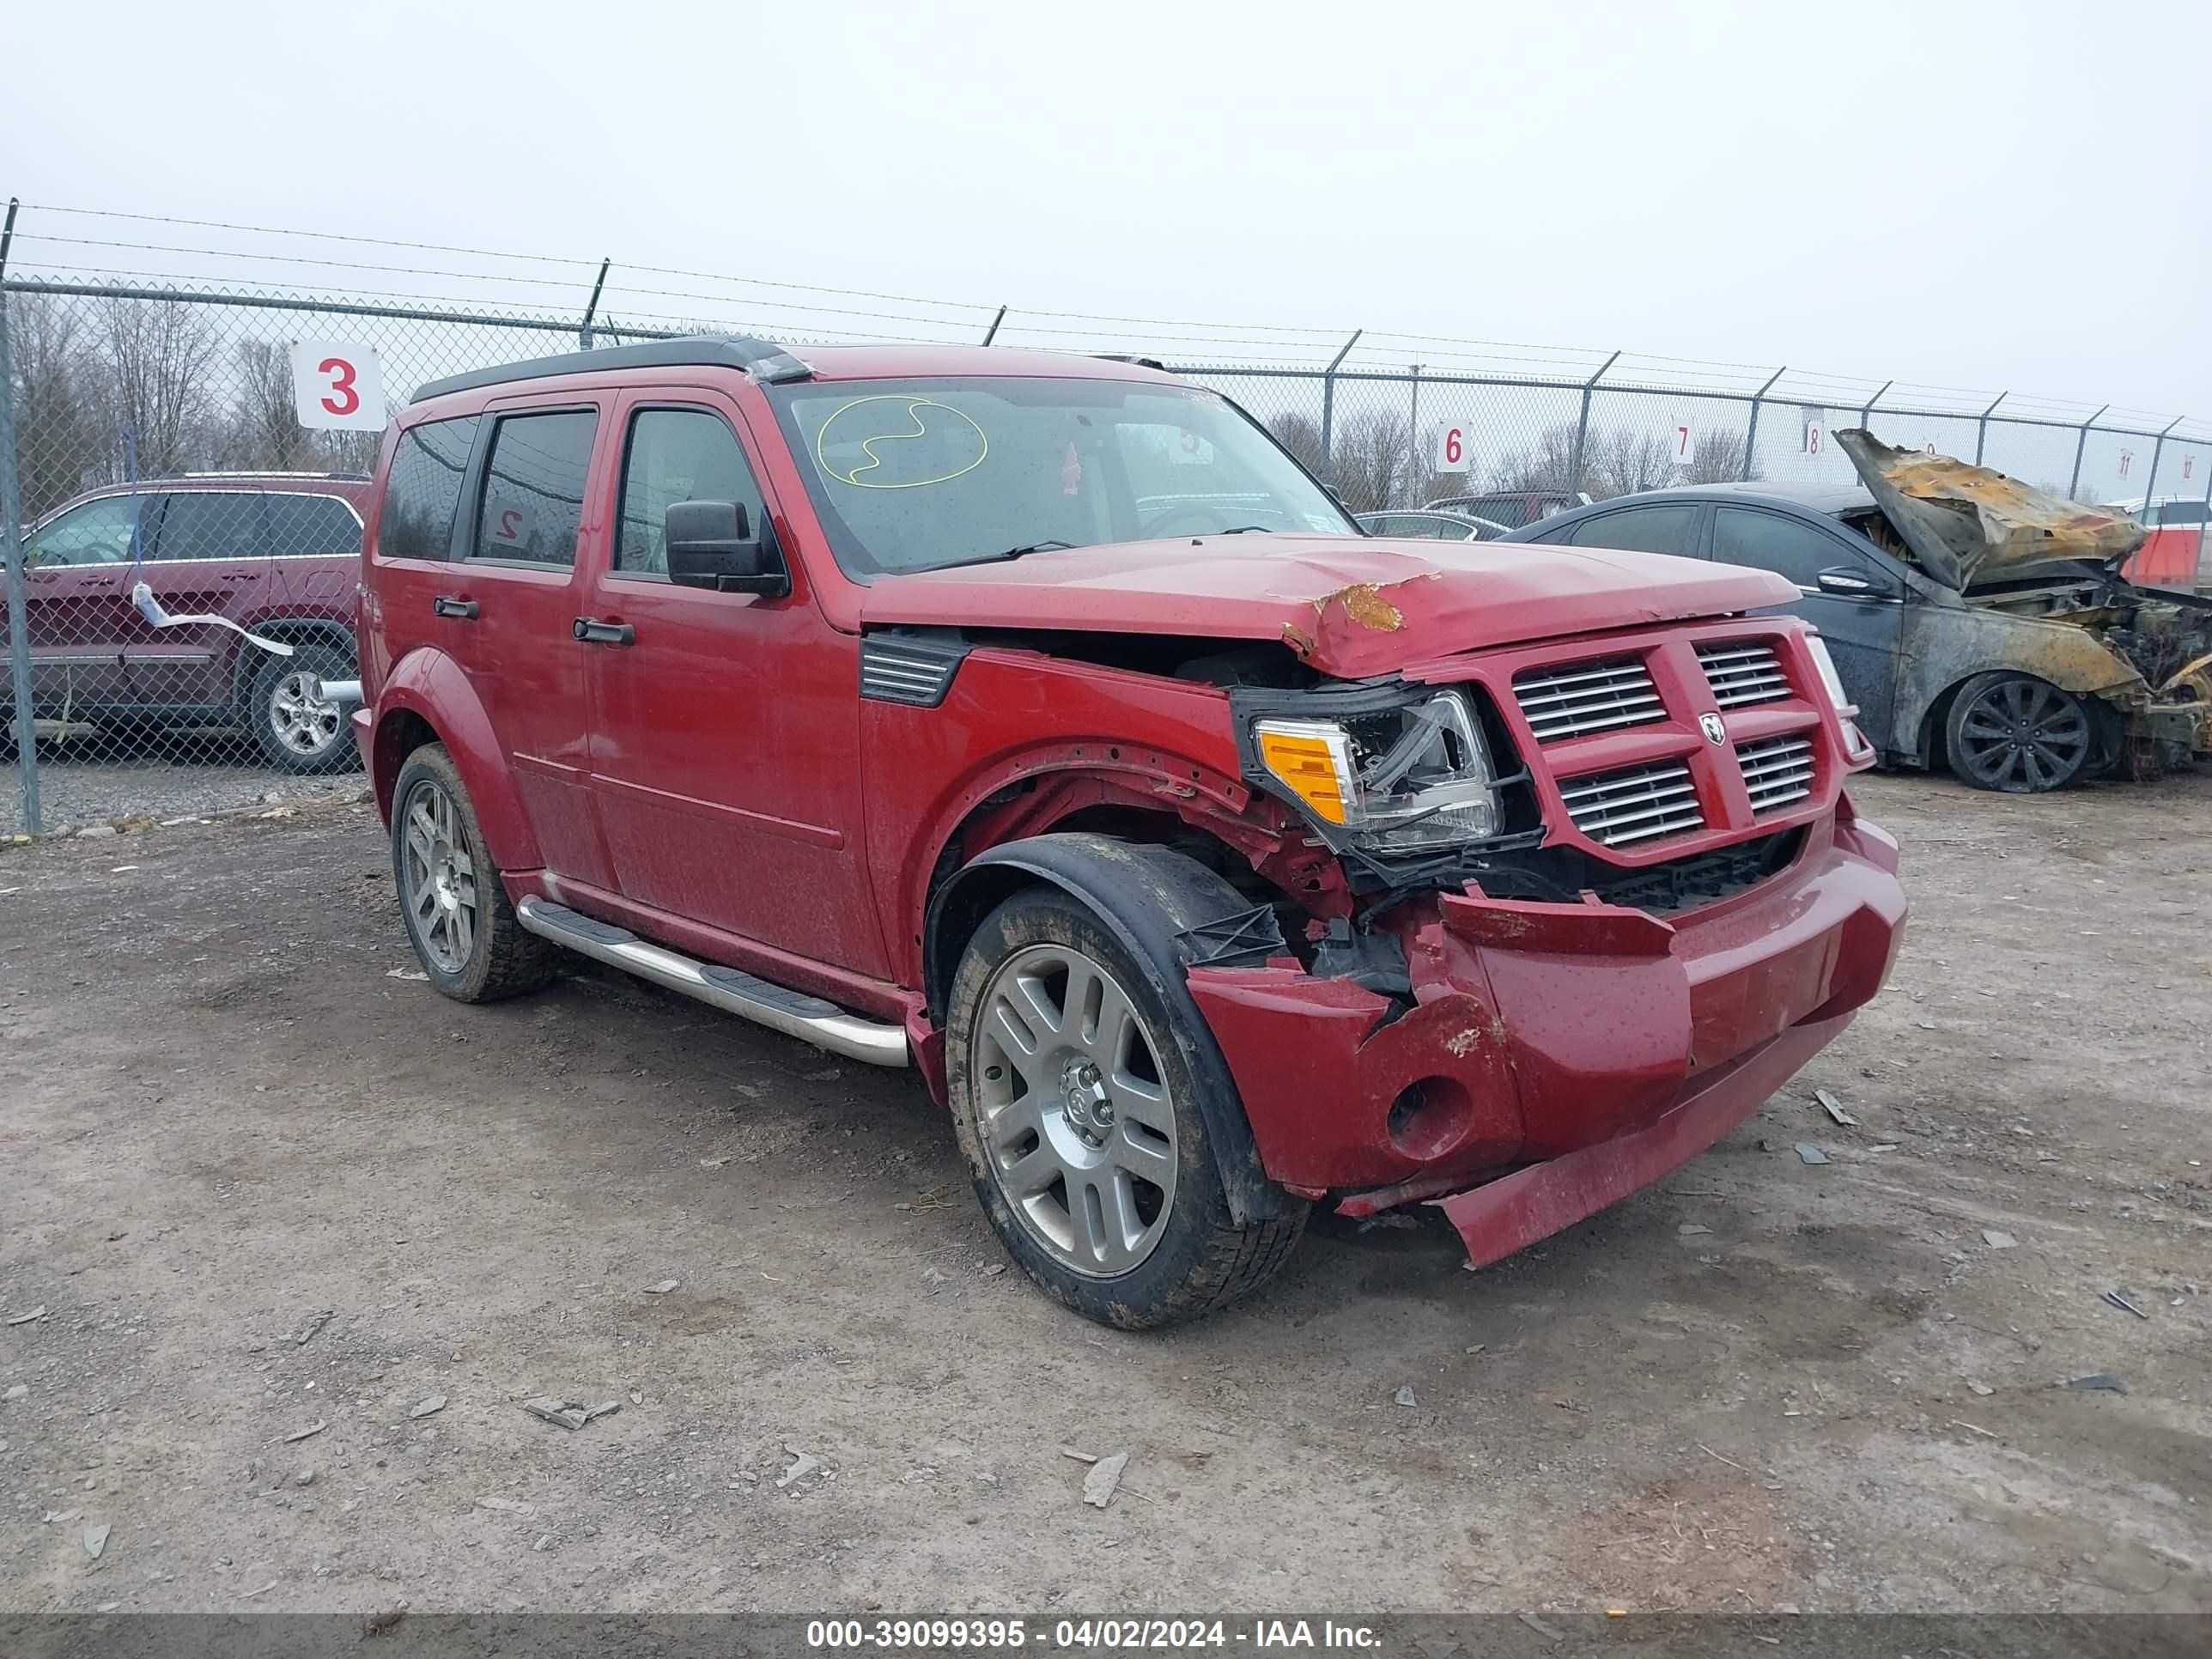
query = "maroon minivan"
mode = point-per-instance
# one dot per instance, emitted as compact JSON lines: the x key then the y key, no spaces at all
{"x":276,"y":553}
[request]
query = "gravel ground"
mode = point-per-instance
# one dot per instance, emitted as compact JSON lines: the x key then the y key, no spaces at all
{"x":291,"y":1240}
{"x":163,"y":775}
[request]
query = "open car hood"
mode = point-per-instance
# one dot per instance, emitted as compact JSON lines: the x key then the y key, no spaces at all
{"x":1966,"y":524}
{"x":1348,"y":605}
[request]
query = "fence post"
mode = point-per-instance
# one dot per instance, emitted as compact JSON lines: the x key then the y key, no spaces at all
{"x":1866,"y":413}
{"x":2082,"y":443}
{"x":2156,"y":450}
{"x":1982,"y":427}
{"x":12,"y":555}
{"x":1751,"y":430}
{"x":1582,"y":426}
{"x":1329,"y":406}
{"x":1413,"y":436}
{"x":592,"y":310}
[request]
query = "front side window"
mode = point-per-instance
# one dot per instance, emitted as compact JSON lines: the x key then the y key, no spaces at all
{"x":917,"y":474}
{"x":533,"y":494}
{"x":1638,"y":529}
{"x":422,"y":488}
{"x":1512,"y":511}
{"x":1768,"y":541}
{"x":211,"y":524}
{"x":96,"y":532}
{"x":678,"y":455}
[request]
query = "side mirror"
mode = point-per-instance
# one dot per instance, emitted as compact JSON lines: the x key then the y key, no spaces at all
{"x":710,"y":545}
{"x":1850,"y":584}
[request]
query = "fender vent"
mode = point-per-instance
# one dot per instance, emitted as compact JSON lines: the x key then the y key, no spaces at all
{"x":911,"y":668}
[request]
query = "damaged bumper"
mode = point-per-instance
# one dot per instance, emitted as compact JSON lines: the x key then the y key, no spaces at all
{"x":1558,"y":1056}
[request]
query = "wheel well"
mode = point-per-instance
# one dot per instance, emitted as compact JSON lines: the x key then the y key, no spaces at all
{"x":288,"y":631}
{"x":399,"y":735}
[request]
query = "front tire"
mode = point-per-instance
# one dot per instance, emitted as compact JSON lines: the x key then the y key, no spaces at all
{"x":297,"y":730}
{"x":2017,"y":734}
{"x":1079,"y":1119}
{"x":452,"y":902}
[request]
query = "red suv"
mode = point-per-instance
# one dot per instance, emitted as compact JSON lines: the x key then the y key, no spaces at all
{"x":276,"y":553}
{"x":1039,"y":723}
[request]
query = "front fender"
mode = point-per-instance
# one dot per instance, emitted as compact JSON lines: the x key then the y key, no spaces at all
{"x":430,"y":685}
{"x":1945,"y":645}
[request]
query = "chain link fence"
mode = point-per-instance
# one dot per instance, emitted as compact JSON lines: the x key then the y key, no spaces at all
{"x":183,"y":557}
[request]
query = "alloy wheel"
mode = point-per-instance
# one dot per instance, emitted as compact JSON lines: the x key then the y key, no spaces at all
{"x":304,"y":722}
{"x":2021,"y":734}
{"x":1076,"y":1123}
{"x":441,"y":878}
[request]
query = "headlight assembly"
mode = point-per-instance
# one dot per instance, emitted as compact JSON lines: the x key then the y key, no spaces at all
{"x":1827,"y":667}
{"x":1410,"y":778}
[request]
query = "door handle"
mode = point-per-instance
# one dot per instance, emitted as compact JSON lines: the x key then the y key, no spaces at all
{"x":589,"y":630}
{"x":447,"y":605}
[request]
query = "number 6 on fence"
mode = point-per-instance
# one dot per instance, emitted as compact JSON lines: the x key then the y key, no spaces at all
{"x":1451,"y":449}
{"x":337,"y":386}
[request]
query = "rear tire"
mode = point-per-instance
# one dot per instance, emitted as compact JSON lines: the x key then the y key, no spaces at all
{"x":2017,"y":734}
{"x":1080,"y":1122}
{"x":296,"y":731}
{"x":452,"y":902}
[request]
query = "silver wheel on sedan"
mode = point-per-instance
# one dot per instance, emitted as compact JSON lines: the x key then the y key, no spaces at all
{"x":303,"y":722}
{"x":1076,"y":1124}
{"x":441,"y":885}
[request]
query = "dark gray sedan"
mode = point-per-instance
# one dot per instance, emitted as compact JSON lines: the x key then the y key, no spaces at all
{"x":2018,"y":678}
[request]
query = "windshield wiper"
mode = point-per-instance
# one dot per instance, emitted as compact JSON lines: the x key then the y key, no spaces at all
{"x":1045,"y":546}
{"x":1248,"y":530}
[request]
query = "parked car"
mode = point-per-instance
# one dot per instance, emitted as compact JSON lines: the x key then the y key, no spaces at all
{"x":1427,"y":527}
{"x":1510,"y":508}
{"x":920,"y":703}
{"x":2020,"y":668}
{"x":278,"y":553}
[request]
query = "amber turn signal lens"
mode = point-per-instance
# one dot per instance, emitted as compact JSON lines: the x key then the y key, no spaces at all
{"x":1311,"y":762}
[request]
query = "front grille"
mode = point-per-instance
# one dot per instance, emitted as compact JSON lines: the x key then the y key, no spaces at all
{"x":1775,"y":770}
{"x":1618,"y":808}
{"x":1742,"y":673}
{"x":1702,"y":878}
{"x":1589,"y":696}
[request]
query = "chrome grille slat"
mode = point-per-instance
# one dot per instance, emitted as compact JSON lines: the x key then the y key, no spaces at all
{"x":1583,"y":697}
{"x":1639,"y":804}
{"x":1743,"y":673}
{"x":1776,"y":771}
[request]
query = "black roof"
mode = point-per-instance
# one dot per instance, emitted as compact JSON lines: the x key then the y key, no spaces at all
{"x":769,"y":361}
{"x":1813,"y":497}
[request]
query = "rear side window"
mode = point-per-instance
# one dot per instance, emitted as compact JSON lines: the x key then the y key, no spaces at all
{"x":1512,"y":511}
{"x":423,"y":488}
{"x":300,"y":526}
{"x":211,"y":524}
{"x":533,"y":494}
{"x":678,"y":455}
{"x":1770,"y":542}
{"x":1638,"y":529}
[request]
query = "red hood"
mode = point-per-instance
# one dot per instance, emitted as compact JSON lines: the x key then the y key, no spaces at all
{"x":1350,"y":606}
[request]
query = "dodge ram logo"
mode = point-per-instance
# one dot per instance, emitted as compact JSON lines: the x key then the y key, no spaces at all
{"x":1711,"y":726}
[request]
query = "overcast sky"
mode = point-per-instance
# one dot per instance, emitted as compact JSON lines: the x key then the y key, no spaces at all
{"x":2002,"y":195}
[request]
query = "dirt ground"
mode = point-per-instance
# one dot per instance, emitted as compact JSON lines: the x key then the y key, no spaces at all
{"x":261,"y":1182}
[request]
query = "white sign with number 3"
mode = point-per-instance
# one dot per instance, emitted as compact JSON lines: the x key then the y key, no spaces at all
{"x":1451,"y":449}
{"x":337,"y":387}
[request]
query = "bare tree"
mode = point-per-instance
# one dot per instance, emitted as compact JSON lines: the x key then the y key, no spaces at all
{"x":1717,"y":458}
{"x":1373,"y":468}
{"x":1302,"y":437}
{"x":55,"y":394}
{"x":1548,"y":465}
{"x":1623,"y":461}
{"x":264,"y":433}
{"x":158,"y":353}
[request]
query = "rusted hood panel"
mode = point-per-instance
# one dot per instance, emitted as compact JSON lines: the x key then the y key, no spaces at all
{"x":1349,"y":606}
{"x":1967,"y":524}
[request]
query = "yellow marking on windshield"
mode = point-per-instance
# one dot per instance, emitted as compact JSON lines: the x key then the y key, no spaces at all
{"x":921,"y":429}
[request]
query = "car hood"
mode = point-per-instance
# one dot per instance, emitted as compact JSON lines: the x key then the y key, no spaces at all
{"x":1969,"y":524}
{"x":1347,"y":605}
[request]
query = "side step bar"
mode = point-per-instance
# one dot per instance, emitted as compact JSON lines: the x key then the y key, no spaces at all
{"x":810,"y":1019}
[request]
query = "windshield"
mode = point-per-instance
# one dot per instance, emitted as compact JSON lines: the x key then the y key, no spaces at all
{"x":914,"y":475}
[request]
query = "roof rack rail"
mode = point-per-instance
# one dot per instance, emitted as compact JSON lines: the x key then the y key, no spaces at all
{"x":1130,"y":357}
{"x":763,"y":360}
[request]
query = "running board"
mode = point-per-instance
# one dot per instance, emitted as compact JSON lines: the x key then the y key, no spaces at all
{"x":810,"y":1019}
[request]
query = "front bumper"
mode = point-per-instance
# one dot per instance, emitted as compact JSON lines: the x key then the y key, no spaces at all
{"x":1558,"y":1056}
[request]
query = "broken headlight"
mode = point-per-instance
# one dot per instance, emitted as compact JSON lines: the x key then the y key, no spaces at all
{"x":1824,"y":665}
{"x":1408,"y":779}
